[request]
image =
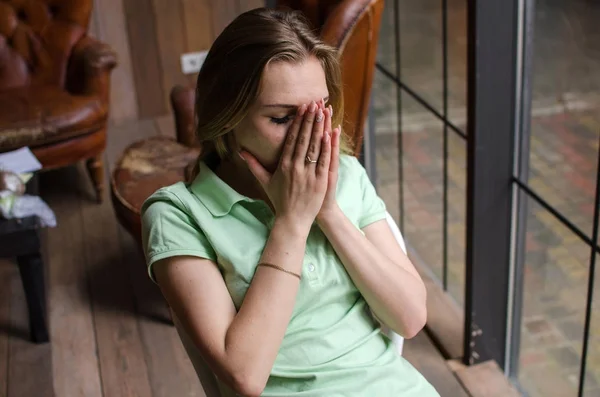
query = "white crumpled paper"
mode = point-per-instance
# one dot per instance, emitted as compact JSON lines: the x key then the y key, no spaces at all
{"x":16,"y":205}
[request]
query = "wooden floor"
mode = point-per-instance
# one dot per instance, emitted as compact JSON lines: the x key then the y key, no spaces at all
{"x":107,"y":328}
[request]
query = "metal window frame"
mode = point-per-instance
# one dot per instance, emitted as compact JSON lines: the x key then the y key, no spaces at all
{"x":492,"y":91}
{"x":524,"y":68}
{"x":500,"y":53}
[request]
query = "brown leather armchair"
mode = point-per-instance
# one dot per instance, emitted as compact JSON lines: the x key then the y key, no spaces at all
{"x":54,"y":84}
{"x":352,"y":26}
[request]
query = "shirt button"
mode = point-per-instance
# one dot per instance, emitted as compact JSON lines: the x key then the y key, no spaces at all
{"x":311,"y":267}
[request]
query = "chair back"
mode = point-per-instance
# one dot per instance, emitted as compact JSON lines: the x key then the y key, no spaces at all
{"x":36,"y":40}
{"x":351,"y":26}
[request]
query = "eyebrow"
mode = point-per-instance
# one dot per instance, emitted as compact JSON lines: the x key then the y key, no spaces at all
{"x":286,"y":106}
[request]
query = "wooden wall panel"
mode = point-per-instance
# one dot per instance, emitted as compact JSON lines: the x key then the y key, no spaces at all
{"x":146,"y":62}
{"x":223,"y":12}
{"x":246,"y":5}
{"x":110,"y":24}
{"x":171,"y":43}
{"x":149,"y":37}
{"x":93,"y":26}
{"x":198,"y":24}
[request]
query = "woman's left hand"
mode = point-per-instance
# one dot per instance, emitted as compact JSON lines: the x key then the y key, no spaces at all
{"x":329,"y":203}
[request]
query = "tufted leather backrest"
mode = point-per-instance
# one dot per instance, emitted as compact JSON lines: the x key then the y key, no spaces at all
{"x":353,"y":27}
{"x":36,"y":39}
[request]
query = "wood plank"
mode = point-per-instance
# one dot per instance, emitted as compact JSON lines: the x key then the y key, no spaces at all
{"x":120,"y":352}
{"x":30,"y":364}
{"x":198,"y":23}
{"x":111,"y":27}
{"x":7,"y":271}
{"x":122,"y":137}
{"x":171,"y":44}
{"x":145,"y":58}
{"x":74,"y":362}
{"x":163,"y":349}
{"x":485,"y":380}
{"x":424,"y":356}
{"x":445,"y":320}
{"x":223,"y":12}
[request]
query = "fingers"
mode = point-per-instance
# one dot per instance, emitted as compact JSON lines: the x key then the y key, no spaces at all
{"x":314,"y":148}
{"x":325,"y":159}
{"x":292,"y":136}
{"x":305,"y":134}
{"x":335,"y":150}
{"x":328,"y":120}
{"x":260,"y":173}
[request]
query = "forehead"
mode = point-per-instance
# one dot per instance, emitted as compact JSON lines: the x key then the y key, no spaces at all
{"x":293,"y":83}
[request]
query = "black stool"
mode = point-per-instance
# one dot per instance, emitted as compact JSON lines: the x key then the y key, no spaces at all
{"x":20,"y":239}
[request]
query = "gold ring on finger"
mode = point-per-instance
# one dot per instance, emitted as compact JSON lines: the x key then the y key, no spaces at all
{"x":309,"y":160}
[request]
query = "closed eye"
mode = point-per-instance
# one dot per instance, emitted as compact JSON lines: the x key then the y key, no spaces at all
{"x":281,"y":120}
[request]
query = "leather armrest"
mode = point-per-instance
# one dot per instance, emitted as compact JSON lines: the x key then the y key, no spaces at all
{"x":183,"y":102}
{"x":89,"y":68}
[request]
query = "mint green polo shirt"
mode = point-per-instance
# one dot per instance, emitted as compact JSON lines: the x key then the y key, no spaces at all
{"x":332,"y":346}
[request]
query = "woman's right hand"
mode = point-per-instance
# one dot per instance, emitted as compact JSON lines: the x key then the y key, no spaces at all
{"x":297,"y":187}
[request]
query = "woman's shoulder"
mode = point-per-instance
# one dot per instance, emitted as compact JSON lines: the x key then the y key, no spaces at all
{"x":350,"y":167}
{"x":348,"y":162}
{"x":175,"y":196}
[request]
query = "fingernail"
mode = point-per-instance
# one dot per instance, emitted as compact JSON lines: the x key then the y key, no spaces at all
{"x":319,"y":115}
{"x":326,"y":136}
{"x":302,"y":110}
{"x":313,"y":107}
{"x":242,"y":157}
{"x":330,"y":111}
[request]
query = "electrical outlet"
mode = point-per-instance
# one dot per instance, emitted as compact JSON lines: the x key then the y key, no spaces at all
{"x":192,"y":61}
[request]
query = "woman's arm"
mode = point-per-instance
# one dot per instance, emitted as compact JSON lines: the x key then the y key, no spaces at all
{"x":380,"y":270}
{"x":240,"y":348}
{"x":376,"y":263}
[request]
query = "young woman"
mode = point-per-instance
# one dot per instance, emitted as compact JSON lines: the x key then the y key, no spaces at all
{"x":277,"y":258}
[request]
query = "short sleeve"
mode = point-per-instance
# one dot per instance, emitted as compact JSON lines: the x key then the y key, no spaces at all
{"x":167,"y":231}
{"x":373,"y":207}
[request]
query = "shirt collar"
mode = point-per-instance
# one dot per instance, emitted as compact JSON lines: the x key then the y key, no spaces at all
{"x":214,"y":193}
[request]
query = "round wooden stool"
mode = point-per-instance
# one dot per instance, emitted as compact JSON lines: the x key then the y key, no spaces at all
{"x":143,"y":168}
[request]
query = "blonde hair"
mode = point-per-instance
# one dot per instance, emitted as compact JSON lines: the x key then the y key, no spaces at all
{"x":229,"y":81}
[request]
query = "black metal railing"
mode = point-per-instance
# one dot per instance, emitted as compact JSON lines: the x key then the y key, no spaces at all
{"x":516,"y":181}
